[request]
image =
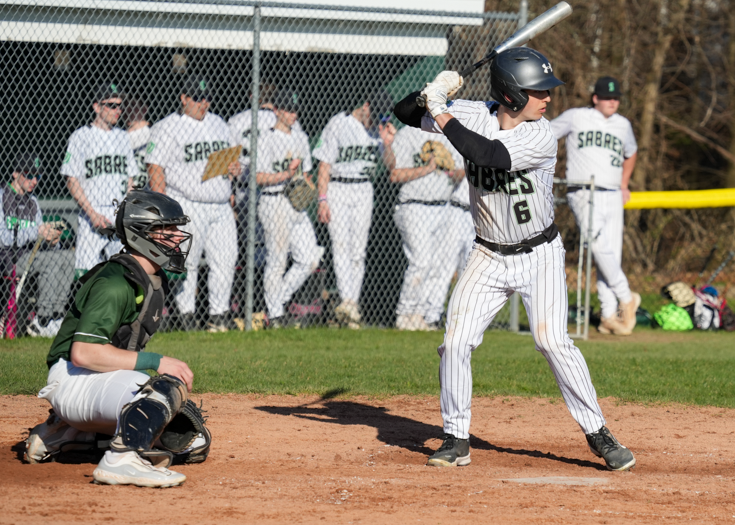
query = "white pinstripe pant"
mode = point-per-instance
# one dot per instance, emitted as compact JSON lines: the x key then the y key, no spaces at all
{"x":487,"y":282}
{"x":607,"y":244}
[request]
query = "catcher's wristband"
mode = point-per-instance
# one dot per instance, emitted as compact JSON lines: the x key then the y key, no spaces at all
{"x":148,"y":361}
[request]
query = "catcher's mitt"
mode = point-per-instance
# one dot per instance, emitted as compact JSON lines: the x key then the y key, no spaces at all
{"x":679,"y":292}
{"x":300,"y":192}
{"x":180,"y":434}
{"x":442,"y":157}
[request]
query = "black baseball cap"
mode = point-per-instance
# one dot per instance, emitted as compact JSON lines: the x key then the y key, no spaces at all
{"x":198,"y":87}
{"x":108,"y":90}
{"x":607,"y":87}
{"x":287,"y":99}
{"x":28,"y":164}
{"x":381,"y":105}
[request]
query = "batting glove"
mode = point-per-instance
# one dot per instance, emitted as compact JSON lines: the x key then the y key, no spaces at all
{"x":436,"y":99}
{"x":451,"y":80}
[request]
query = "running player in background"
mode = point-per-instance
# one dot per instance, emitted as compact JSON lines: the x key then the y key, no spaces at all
{"x":510,"y":156}
{"x":178,"y":151}
{"x":99,"y":166}
{"x":601,"y":143}
{"x":283,"y":153}
{"x":420,"y":217}
{"x":349,"y":150}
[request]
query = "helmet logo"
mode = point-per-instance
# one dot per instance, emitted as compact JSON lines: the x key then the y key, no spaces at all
{"x":547,"y":68}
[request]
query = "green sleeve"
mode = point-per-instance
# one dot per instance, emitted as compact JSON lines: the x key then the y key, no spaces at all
{"x":109,"y":303}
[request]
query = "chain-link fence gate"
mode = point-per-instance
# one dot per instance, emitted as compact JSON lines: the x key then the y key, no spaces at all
{"x":86,"y":82}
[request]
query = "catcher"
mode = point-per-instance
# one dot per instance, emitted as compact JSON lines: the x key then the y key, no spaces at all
{"x":426,"y":166}
{"x":96,"y":381}
{"x":284,"y":163}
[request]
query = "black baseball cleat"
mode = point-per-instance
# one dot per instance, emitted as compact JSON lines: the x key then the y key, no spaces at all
{"x":454,"y":452}
{"x":603,"y":444}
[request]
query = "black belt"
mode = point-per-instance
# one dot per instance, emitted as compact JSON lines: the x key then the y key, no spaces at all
{"x":527,"y":246}
{"x":425,"y":203}
{"x":465,"y":207}
{"x":271,"y":193}
{"x":572,"y":189}
{"x":349,"y":180}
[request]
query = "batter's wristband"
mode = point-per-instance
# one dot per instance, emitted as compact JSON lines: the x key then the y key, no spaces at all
{"x":148,"y":361}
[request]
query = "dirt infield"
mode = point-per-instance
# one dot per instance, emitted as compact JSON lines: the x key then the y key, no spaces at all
{"x":306,"y":460}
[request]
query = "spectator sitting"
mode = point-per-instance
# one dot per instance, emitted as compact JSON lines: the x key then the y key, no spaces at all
{"x":22,"y":225}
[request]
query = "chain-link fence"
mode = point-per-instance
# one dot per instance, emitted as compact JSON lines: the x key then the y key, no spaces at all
{"x":89,"y":83}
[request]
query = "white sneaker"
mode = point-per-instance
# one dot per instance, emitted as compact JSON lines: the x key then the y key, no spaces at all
{"x":50,"y":330}
{"x":128,"y":468}
{"x":45,"y":440}
{"x":347,"y":311}
{"x":411,"y":323}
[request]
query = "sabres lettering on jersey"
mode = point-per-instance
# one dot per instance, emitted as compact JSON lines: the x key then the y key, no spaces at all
{"x":202,"y":150}
{"x":353,"y":153}
{"x":106,"y":165}
{"x":598,"y":139}
{"x":282,"y":165}
{"x":12,"y":223}
{"x":493,"y":180}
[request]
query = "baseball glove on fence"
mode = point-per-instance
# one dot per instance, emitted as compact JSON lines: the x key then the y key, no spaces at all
{"x":185,"y":427}
{"x":442,"y":157}
{"x":300,"y":192}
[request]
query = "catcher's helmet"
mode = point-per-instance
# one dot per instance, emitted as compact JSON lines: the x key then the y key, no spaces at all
{"x":517,"y":69}
{"x":140,"y":214}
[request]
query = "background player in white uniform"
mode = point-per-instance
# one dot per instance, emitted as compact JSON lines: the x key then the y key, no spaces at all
{"x":458,"y":236}
{"x":601,"y":143}
{"x":99,"y":165}
{"x":420,"y":217}
{"x":510,"y":155}
{"x":349,"y":149}
{"x":139,"y":131}
{"x":283,"y":153}
{"x":178,"y":151}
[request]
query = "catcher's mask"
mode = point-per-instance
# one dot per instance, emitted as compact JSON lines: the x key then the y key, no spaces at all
{"x":519,"y":69}
{"x":140,"y":222}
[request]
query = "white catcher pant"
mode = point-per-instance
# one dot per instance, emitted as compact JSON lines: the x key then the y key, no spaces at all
{"x":422,"y":228}
{"x":351,"y":206}
{"x":457,"y":237}
{"x":90,"y":401}
{"x":214,"y":232}
{"x":607,"y":244}
{"x":93,"y":248}
{"x":286,"y":230}
{"x":487,"y":282}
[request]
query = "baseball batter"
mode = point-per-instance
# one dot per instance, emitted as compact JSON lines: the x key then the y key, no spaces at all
{"x":600,"y":142}
{"x":420,"y":216}
{"x":283,"y":154}
{"x":458,"y":236}
{"x":349,"y":150}
{"x":97,"y":363}
{"x":99,"y":165}
{"x":177,"y":156}
{"x":510,"y":155}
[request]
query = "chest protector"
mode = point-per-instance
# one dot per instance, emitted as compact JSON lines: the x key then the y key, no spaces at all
{"x":135,"y":336}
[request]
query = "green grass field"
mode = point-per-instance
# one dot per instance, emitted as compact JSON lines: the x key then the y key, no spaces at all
{"x":649,"y":367}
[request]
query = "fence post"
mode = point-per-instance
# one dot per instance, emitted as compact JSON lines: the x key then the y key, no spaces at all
{"x":252,"y":185}
{"x":523,"y":14}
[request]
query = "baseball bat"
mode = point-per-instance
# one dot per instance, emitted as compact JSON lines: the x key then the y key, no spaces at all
{"x":707,"y":261}
{"x":535,"y":27}
{"x":22,"y":281}
{"x":721,"y":267}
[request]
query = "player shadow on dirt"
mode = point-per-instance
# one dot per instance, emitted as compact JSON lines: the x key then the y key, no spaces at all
{"x":399,"y":431}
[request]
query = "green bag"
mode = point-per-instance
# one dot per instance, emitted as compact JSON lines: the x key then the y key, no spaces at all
{"x":672,"y":317}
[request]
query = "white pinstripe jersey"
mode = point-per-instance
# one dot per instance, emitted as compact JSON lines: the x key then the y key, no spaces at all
{"x":595,"y":145}
{"x":435,"y":186}
{"x":508,"y":206}
{"x":277,"y":149}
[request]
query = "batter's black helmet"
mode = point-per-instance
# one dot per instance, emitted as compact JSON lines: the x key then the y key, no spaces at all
{"x":517,"y":69}
{"x":140,"y":214}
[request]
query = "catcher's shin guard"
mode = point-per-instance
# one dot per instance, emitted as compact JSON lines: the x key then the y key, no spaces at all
{"x":142,"y":421}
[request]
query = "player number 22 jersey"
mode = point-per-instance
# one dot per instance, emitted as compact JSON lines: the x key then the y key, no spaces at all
{"x":508,"y":206}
